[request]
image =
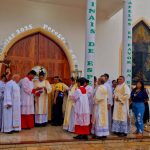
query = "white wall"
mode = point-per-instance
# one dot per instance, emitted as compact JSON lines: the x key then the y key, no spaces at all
{"x":67,"y":21}
{"x":109,"y":38}
{"x":70,"y":22}
{"x":109,"y":35}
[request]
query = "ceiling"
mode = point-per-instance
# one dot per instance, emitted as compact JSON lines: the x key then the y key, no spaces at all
{"x":105,"y":8}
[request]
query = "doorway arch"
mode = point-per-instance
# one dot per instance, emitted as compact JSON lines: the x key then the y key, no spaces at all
{"x":39,"y":47}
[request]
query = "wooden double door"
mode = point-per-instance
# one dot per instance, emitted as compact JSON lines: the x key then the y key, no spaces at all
{"x":39,"y":50}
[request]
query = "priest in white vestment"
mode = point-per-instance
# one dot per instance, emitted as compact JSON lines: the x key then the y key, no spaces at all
{"x":41,"y":99}
{"x":108,"y":85}
{"x":11,"y":120}
{"x":89,"y":90}
{"x":100,"y":127}
{"x":90,"y":93}
{"x":120,"y":124}
{"x":2,"y":88}
{"x":69,"y":118}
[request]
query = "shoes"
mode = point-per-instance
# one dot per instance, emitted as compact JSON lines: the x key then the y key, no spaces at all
{"x":122,"y":135}
{"x":11,"y":132}
{"x":81,"y":137}
{"x":116,"y":133}
{"x":84,"y":137}
{"x":56,"y":124}
{"x":15,"y":131}
{"x":78,"y":137}
{"x":99,"y":137}
{"x":139,"y":136}
{"x":94,"y":137}
{"x":136,"y":132}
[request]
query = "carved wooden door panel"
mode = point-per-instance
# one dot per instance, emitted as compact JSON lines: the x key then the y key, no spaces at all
{"x":37,"y":49}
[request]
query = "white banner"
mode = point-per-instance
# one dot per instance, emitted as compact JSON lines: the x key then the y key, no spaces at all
{"x":90,"y":40}
{"x":127,"y":42}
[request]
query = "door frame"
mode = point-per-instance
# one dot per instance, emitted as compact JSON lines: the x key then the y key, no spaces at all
{"x":48,"y":34}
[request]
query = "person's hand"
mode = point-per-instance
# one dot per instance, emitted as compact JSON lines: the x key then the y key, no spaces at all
{"x":54,"y":101}
{"x":116,"y":99}
{"x":38,"y":88}
{"x":45,"y":89}
{"x":8,"y":106}
{"x":145,"y":101}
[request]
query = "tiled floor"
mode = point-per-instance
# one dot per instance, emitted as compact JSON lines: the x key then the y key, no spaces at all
{"x":49,"y":134}
{"x":54,"y":138}
{"x":83,"y":146}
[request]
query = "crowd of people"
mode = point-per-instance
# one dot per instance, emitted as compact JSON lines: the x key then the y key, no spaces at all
{"x":98,"y":110}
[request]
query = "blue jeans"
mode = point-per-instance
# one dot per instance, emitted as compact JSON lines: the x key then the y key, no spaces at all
{"x":138,"y":110}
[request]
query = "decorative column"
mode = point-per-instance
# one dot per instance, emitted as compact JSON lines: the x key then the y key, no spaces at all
{"x":90,"y":40}
{"x":127,"y":42}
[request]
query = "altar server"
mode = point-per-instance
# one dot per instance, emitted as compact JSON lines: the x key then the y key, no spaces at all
{"x":82,"y":111}
{"x":27,"y":101}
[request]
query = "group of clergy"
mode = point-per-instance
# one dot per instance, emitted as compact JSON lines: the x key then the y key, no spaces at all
{"x":23,"y":103}
{"x":97,"y":110}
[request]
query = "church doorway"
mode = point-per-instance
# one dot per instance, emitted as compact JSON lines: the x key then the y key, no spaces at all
{"x":38,"y":49}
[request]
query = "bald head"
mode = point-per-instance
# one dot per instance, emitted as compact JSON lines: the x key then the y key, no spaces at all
{"x":16,"y":78}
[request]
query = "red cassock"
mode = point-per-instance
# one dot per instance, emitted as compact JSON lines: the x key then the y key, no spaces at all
{"x":27,"y":116}
{"x":27,"y":121}
{"x":82,"y":130}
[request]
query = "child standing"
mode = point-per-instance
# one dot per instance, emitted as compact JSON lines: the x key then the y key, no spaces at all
{"x":82,"y":111}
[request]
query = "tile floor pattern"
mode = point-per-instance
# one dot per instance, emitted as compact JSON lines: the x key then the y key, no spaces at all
{"x":55,"y":138}
{"x":84,"y":146}
{"x":48,"y":133}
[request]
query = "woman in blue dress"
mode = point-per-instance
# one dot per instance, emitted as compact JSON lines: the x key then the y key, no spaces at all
{"x":138,"y":98}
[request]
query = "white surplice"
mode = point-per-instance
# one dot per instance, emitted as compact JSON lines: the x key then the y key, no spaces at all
{"x":41,"y":102}
{"x":100,"y":113}
{"x":89,"y":90}
{"x":82,"y":109}
{"x":11,"y":120}
{"x":27,"y":98}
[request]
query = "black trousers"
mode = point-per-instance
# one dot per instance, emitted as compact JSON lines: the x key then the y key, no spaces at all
{"x":146,"y":113}
{"x":57,"y":114}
